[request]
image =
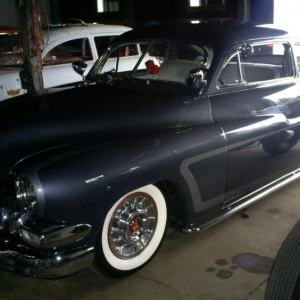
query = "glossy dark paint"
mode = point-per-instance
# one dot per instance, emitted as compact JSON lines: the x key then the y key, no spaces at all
{"x":270,"y":111}
{"x":129,"y":139}
{"x":85,"y":148}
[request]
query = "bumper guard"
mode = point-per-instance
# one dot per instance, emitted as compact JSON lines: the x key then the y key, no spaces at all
{"x":48,"y":264}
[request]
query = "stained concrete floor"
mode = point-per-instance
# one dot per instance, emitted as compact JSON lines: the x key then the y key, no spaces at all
{"x":231,"y":260}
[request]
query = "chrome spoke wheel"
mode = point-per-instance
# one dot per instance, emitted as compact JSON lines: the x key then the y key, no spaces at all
{"x":132,"y":225}
{"x":132,"y":232}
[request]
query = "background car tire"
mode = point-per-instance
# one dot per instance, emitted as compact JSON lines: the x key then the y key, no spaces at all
{"x":281,"y":142}
{"x":132,"y":232}
{"x":284,"y":281}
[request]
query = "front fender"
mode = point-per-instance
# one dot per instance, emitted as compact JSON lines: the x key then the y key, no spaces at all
{"x":79,"y":183}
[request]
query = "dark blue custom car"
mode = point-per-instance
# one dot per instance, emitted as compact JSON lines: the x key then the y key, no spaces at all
{"x":185,"y":124}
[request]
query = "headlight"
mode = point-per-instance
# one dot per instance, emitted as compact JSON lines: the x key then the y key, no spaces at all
{"x":25,"y":194}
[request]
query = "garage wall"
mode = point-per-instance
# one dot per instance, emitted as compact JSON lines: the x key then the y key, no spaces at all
{"x":262,"y":11}
{"x":9,"y":11}
{"x":137,"y":13}
{"x":142,"y":12}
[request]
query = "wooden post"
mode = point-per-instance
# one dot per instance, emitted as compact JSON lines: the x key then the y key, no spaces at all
{"x":32,"y":42}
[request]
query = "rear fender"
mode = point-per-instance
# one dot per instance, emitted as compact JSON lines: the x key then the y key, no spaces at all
{"x":10,"y":84}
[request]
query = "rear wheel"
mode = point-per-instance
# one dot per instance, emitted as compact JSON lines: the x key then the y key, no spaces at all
{"x":132,"y":232}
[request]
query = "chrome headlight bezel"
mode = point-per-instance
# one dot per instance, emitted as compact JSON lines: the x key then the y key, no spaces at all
{"x":25,"y":194}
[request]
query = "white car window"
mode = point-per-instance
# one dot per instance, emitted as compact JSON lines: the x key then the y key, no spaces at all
{"x":11,"y":51}
{"x":70,"y":51}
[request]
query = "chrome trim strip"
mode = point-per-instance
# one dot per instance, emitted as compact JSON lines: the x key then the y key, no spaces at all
{"x":55,"y":264}
{"x":243,"y":202}
{"x":56,"y":238}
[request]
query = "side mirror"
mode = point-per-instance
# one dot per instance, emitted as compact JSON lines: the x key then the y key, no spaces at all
{"x":247,"y":51}
{"x":195,"y":78}
{"x":79,"y":67}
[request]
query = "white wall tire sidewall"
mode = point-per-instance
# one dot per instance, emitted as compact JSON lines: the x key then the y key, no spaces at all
{"x":143,"y":257}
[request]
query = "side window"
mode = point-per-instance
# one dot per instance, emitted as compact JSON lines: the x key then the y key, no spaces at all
{"x":11,"y":50}
{"x":258,"y":63}
{"x":297,"y":54}
{"x":70,"y":51}
{"x":232,"y":72}
{"x":269,"y":61}
{"x":102,"y":43}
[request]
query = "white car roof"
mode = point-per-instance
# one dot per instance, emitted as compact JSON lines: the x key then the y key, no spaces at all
{"x":55,"y":34}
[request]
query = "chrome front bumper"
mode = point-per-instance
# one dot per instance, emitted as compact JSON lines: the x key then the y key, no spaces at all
{"x":33,"y":248}
{"x":44,"y":264}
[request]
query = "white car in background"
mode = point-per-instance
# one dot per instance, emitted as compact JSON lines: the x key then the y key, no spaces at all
{"x":62,"y":46}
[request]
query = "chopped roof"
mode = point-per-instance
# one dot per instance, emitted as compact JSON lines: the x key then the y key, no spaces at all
{"x":210,"y":33}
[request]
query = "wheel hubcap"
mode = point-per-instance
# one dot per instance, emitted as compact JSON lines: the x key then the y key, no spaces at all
{"x":132,"y":225}
{"x":135,"y":226}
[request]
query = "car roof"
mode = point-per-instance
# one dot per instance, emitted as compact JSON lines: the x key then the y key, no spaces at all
{"x":214,"y":34}
{"x":53,"y":34}
{"x":56,"y":33}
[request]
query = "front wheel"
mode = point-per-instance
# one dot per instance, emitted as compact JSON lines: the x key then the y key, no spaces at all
{"x":132,"y":232}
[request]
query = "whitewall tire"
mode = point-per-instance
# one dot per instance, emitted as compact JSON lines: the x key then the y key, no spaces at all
{"x":132,"y":232}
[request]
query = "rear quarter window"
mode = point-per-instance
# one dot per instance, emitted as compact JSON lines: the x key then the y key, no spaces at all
{"x":259,"y":63}
{"x":68,"y":52}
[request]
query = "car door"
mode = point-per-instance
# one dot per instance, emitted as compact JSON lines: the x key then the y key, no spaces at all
{"x":57,"y":61}
{"x":257,"y":103}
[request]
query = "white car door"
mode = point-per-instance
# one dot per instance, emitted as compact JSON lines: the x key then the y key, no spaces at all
{"x":57,"y":62}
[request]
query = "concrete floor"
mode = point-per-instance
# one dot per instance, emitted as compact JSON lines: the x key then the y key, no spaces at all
{"x":231,"y":260}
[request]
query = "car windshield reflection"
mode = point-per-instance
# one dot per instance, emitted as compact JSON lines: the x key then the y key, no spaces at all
{"x":163,"y":61}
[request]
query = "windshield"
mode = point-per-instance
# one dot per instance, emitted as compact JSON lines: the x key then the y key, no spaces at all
{"x":163,"y":61}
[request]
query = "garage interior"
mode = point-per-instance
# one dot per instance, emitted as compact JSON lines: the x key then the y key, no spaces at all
{"x":229,"y":261}
{"x":33,"y":15}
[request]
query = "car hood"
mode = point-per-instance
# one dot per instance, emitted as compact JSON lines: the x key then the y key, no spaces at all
{"x":32,"y":124}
